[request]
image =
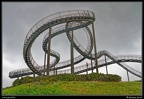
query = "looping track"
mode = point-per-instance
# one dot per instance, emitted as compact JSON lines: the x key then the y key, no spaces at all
{"x":66,"y":22}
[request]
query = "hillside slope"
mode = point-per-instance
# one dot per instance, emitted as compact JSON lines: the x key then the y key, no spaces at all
{"x":66,"y":84}
{"x":76,"y":88}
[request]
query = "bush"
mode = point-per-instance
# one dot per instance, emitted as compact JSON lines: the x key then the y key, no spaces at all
{"x":69,"y":77}
{"x":16,"y":82}
{"x":26,"y":79}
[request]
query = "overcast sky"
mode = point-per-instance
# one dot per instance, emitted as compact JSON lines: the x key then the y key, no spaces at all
{"x":118,"y":29}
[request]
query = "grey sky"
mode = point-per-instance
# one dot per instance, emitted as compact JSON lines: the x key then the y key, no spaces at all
{"x":118,"y":28}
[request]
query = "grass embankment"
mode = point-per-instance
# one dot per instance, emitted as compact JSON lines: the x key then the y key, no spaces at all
{"x":68,"y":87}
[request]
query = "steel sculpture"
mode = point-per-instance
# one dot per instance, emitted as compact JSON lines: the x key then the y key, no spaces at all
{"x":67,"y":22}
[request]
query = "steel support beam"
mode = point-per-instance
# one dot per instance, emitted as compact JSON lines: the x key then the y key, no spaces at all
{"x":95,"y":50}
{"x":106,"y":65}
{"x":54,"y":71}
{"x":127,"y":75}
{"x":44,"y":63}
{"x":72,"y":55}
{"x":48,"y":55}
{"x":86,"y":68}
{"x":92,"y":65}
{"x":34,"y":75}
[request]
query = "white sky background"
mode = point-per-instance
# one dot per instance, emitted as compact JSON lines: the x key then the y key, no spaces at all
{"x":118,"y":29}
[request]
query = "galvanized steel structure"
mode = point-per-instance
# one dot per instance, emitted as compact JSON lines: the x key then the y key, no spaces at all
{"x":67,"y":22}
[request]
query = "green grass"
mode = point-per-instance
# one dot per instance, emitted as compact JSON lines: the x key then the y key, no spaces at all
{"x":71,"y":84}
{"x":76,"y":88}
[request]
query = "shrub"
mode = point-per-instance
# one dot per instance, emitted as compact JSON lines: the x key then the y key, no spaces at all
{"x":16,"y":82}
{"x":69,"y":77}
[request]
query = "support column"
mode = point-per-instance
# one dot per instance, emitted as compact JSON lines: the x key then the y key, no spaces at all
{"x":91,"y":64}
{"x":96,"y":62}
{"x":48,"y":55}
{"x":44,"y":62}
{"x":128,"y":75}
{"x":33,"y":75}
{"x":86,"y":68}
{"x":72,"y":56}
{"x":106,"y":65}
{"x":54,"y":71}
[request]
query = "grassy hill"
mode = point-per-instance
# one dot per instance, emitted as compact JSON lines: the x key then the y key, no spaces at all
{"x":74,"y":85}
